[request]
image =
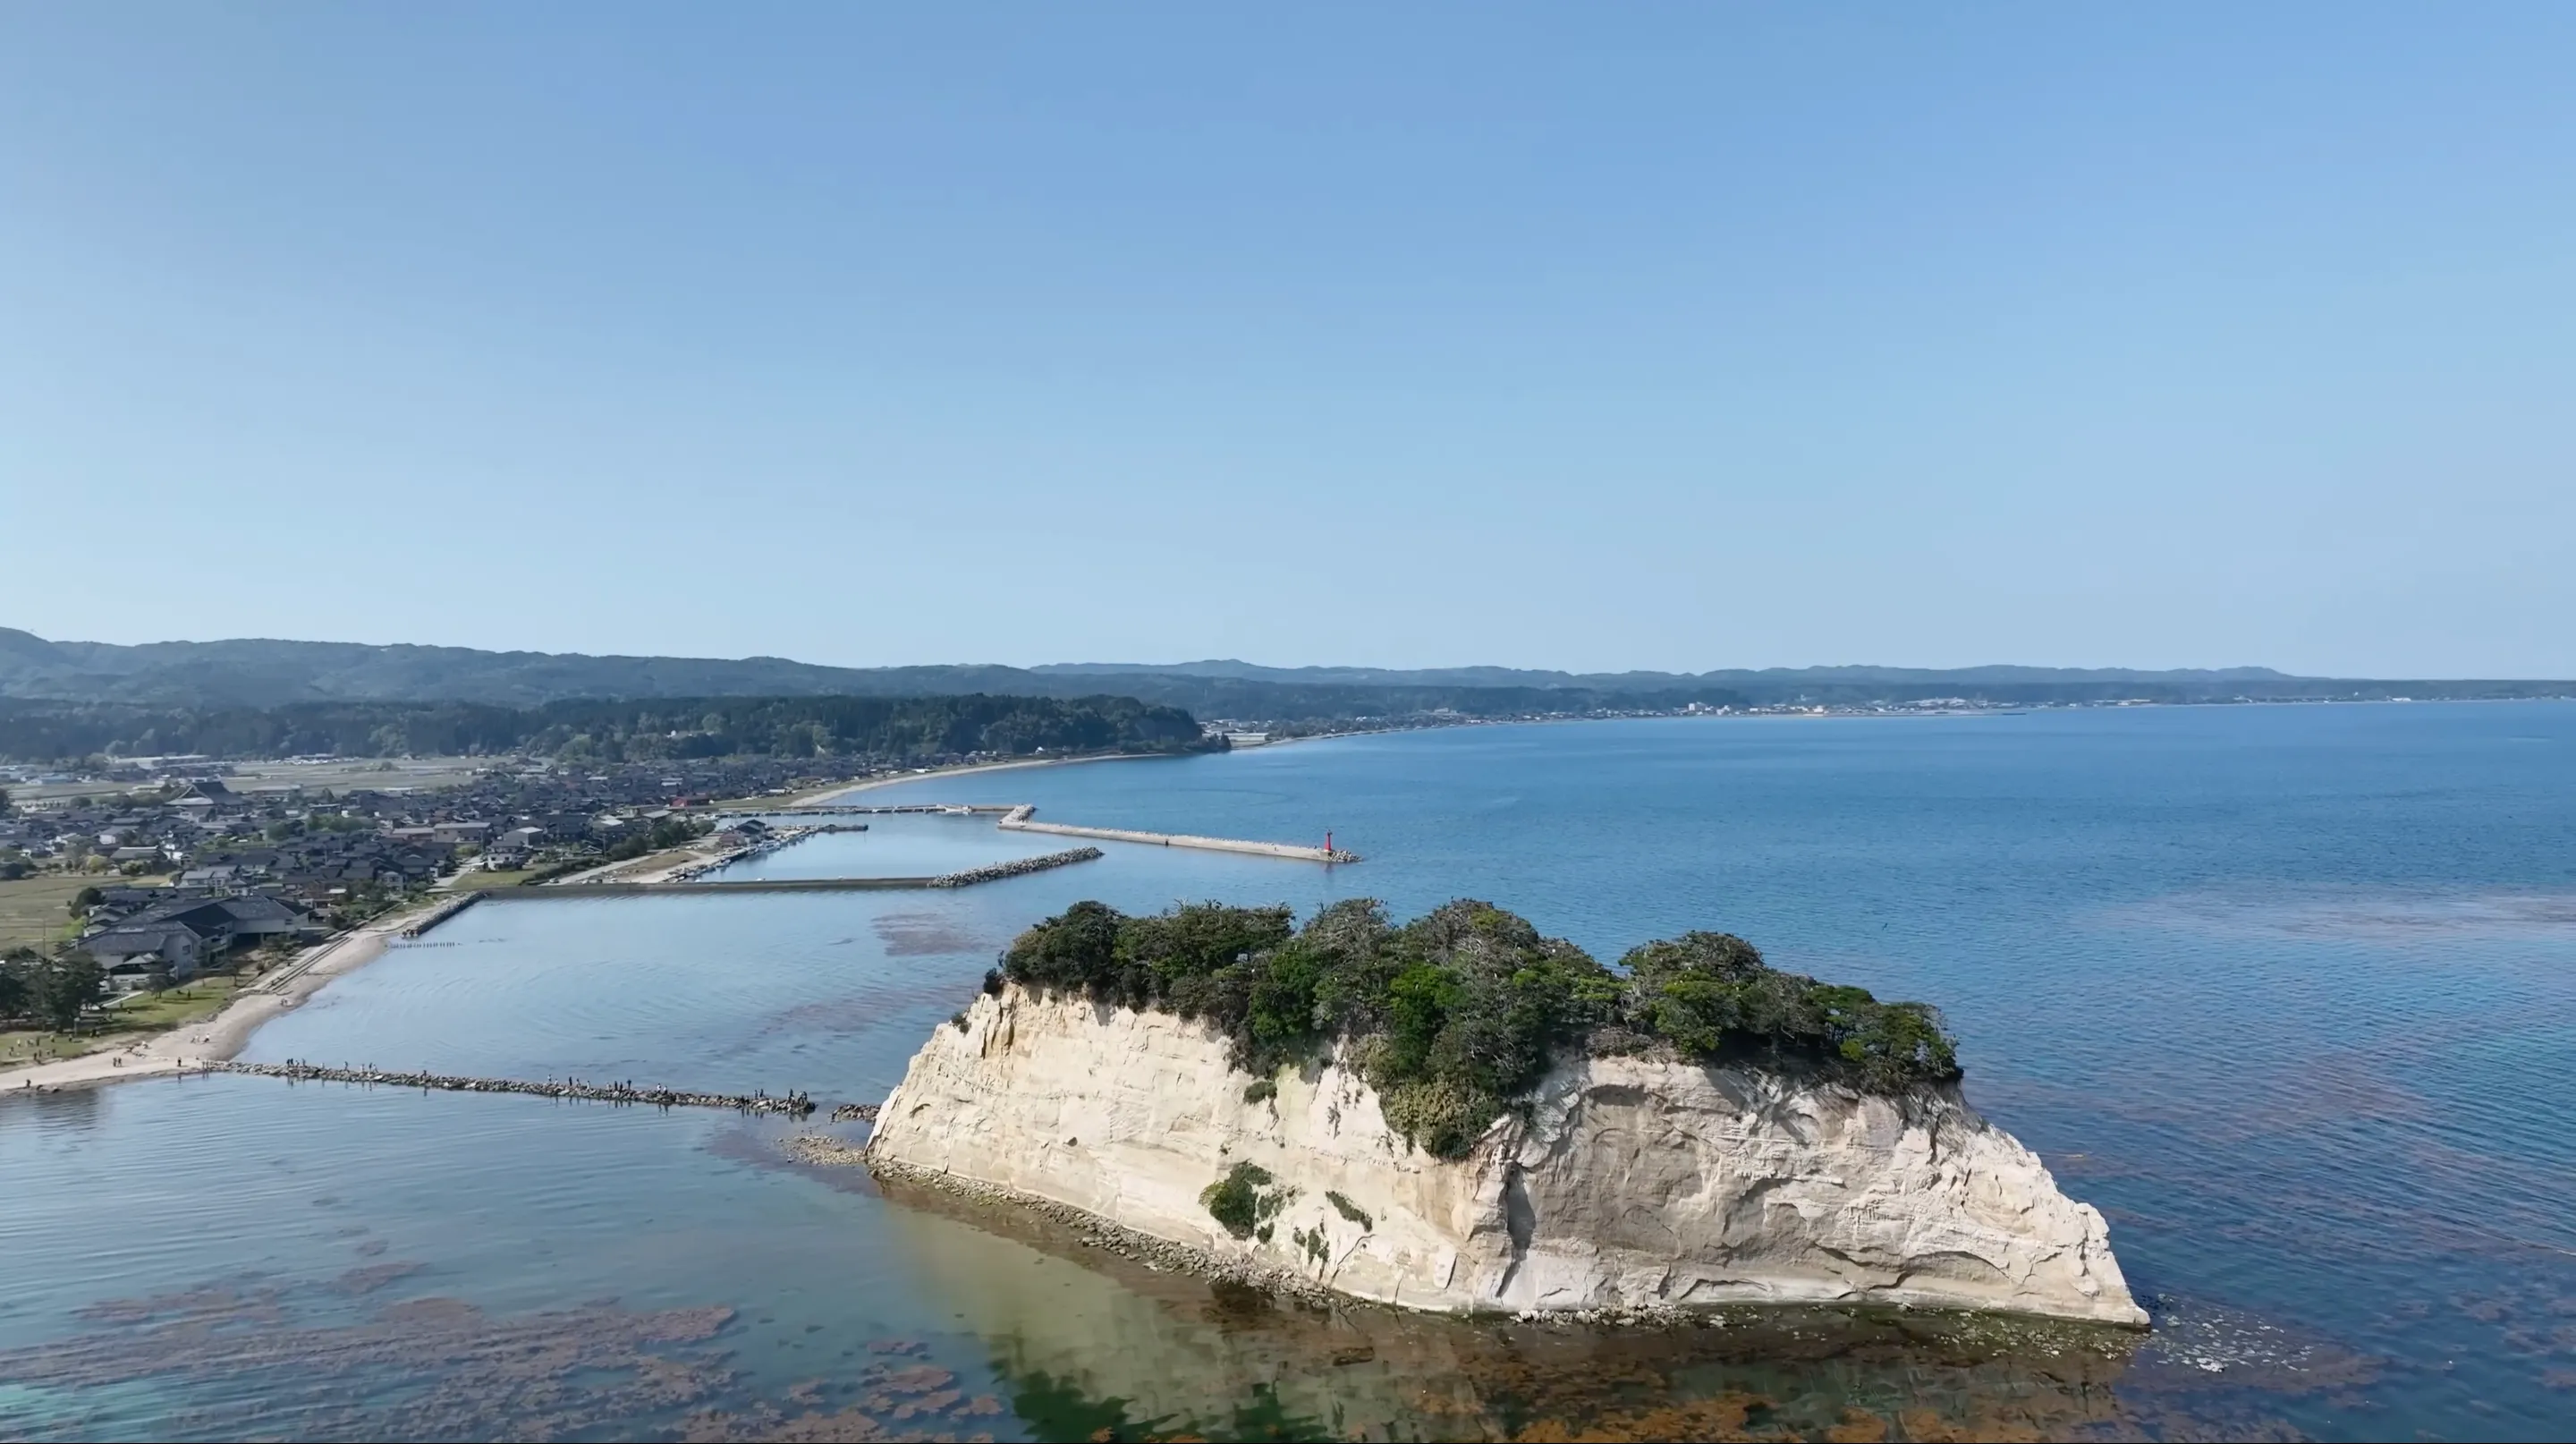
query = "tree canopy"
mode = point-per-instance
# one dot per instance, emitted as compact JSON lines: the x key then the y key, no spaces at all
{"x":51,"y":990}
{"x":1458,"y":1013}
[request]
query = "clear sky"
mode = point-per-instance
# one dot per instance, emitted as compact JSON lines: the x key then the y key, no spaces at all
{"x":1582,"y":336}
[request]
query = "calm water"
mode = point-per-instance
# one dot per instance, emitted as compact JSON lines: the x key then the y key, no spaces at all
{"x":897,"y":845}
{"x":2284,"y":990}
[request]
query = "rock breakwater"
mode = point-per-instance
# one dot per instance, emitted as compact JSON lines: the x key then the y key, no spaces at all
{"x":1017,"y":867}
{"x":794,"y":1105}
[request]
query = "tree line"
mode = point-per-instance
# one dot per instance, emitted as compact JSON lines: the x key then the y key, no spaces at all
{"x":602,"y":730}
{"x":49,"y":991}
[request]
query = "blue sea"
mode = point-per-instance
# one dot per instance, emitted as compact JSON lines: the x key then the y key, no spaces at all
{"x":2286,"y":991}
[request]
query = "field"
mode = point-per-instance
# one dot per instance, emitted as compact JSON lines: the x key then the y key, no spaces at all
{"x":412,"y":774}
{"x":36,"y":910}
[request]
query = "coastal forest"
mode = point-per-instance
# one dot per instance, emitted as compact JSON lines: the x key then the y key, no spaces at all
{"x":1457,"y":1014}
{"x":604,"y":731}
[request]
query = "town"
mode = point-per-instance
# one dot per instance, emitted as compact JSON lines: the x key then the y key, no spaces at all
{"x":148,"y":875}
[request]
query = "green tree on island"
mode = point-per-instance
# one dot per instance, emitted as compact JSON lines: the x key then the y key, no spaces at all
{"x":1456,"y":1015}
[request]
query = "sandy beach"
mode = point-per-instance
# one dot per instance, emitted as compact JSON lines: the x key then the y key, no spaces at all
{"x":833,"y":794}
{"x":224,"y":1034}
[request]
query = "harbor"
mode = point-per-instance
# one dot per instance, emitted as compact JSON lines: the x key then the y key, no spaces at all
{"x":1018,"y":819}
{"x":994,"y":872}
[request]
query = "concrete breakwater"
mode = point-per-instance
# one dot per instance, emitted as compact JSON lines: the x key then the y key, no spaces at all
{"x":786,"y":884}
{"x":953,"y":809}
{"x":1018,"y":820}
{"x":1015,"y":868}
{"x":666,"y":889}
{"x":793,"y":1105}
{"x":442,"y":913}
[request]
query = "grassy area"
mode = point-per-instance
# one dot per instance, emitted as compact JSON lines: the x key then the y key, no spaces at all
{"x":22,"y":1046}
{"x":36,"y":910}
{"x":202,"y":998}
{"x":654,"y":862}
{"x":486,"y":877}
{"x":118,"y":1026}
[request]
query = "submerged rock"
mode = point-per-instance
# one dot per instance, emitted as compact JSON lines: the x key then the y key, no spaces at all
{"x":1634,"y":1182}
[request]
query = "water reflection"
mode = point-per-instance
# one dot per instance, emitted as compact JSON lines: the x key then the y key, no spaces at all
{"x":1091,"y":1341}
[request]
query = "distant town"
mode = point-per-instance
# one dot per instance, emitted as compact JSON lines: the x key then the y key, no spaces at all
{"x":155,"y":874}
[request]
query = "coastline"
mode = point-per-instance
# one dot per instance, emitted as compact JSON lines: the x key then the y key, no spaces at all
{"x":826,"y":796}
{"x":218,"y":1038}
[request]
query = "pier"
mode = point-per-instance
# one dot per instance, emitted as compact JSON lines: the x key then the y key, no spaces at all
{"x":1017,"y":820}
{"x":793,"y":1105}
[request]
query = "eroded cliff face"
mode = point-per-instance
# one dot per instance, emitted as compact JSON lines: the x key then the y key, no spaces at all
{"x":1635,"y":1182}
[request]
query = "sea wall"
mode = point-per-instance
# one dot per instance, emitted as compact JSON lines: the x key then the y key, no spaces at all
{"x":1634,"y":1182}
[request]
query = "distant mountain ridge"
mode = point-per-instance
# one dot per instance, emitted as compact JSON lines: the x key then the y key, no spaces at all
{"x":1641,"y":681}
{"x":262,"y":672}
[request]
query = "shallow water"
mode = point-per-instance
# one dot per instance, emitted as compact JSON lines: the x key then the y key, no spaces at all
{"x":894,"y":845}
{"x":2284,"y":990}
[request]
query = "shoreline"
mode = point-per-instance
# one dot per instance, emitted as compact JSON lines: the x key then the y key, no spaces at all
{"x":218,"y":1038}
{"x":826,"y":796}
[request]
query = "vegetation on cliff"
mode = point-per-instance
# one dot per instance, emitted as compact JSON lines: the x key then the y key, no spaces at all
{"x":1455,"y":1015}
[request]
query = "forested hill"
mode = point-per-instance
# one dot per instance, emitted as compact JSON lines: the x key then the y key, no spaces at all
{"x":258,"y":672}
{"x":890,"y":727}
{"x":269,"y":674}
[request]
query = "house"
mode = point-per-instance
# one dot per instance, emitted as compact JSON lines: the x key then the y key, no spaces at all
{"x":184,"y":936}
{"x":456,"y":832}
{"x":128,"y":955}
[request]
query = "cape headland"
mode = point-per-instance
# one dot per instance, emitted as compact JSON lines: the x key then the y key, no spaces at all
{"x":1461,"y":1115}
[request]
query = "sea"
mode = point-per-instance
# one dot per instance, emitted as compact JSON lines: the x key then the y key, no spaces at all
{"x":2289,"y":992}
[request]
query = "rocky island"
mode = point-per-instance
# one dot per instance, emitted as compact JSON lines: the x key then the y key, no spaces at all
{"x":1459,"y":1114}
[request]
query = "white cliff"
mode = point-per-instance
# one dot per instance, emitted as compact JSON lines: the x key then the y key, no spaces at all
{"x":1636,"y":1182}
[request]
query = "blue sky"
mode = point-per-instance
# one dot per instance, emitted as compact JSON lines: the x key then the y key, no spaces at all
{"x":1593,"y":337}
